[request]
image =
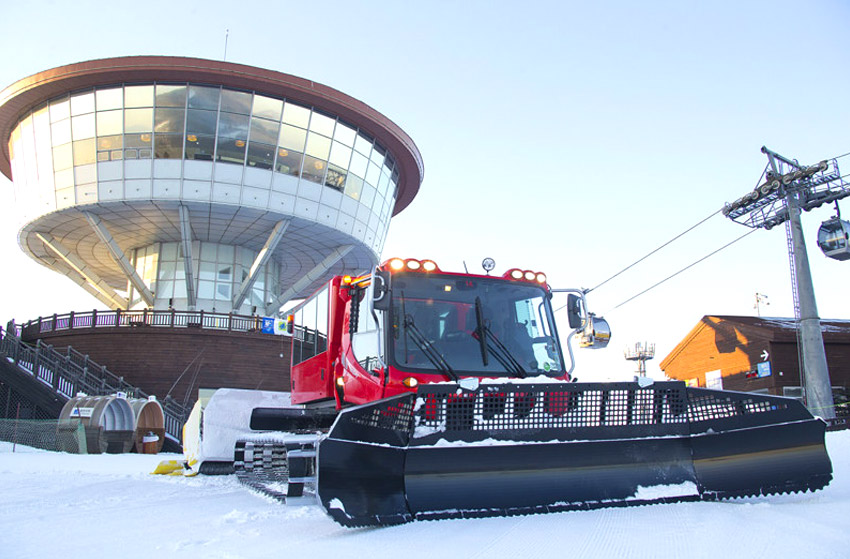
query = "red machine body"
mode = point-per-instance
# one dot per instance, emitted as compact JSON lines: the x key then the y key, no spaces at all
{"x":334,"y":371}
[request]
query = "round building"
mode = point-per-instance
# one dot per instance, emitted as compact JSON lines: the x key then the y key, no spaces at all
{"x":192,"y":198}
{"x":166,"y":182}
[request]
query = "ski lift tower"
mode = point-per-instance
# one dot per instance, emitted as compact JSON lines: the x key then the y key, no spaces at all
{"x":641,"y":353}
{"x":787,"y":189}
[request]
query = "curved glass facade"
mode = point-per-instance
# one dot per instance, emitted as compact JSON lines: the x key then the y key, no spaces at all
{"x":94,"y":146}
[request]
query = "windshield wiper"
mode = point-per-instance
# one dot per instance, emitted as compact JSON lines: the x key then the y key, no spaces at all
{"x":427,"y":349}
{"x":506,"y":358}
{"x":503,"y":356}
{"x":482,"y":336}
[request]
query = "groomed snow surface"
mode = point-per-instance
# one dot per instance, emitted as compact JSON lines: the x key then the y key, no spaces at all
{"x":63,"y":505}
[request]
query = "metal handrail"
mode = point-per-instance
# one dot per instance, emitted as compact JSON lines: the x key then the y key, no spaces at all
{"x":170,"y":318}
{"x":71,"y":372}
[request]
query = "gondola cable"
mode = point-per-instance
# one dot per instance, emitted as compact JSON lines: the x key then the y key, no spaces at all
{"x":707,"y":256}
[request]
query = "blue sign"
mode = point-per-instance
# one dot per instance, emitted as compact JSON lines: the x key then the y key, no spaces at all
{"x":268,"y":325}
{"x":764,"y":369}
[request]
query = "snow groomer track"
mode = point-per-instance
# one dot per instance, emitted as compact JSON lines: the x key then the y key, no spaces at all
{"x":509,"y":449}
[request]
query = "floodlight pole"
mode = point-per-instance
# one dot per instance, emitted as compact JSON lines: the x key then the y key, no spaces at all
{"x":814,"y":374}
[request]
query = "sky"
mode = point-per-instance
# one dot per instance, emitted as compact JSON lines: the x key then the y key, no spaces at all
{"x":567,"y":137}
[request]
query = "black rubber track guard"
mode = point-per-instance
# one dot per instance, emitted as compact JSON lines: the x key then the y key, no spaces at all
{"x":509,"y":449}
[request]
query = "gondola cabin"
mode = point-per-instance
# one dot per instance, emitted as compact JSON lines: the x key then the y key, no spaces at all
{"x":834,"y":238}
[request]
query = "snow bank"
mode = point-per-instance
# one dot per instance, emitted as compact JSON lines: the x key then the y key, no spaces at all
{"x":62,"y":505}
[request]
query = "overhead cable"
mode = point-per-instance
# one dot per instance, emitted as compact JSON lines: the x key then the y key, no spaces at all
{"x":654,"y":251}
{"x":751,"y":231}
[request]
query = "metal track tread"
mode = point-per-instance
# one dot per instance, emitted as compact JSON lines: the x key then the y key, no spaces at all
{"x":264,"y":466}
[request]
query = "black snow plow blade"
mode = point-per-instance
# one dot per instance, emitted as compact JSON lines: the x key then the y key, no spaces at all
{"x":508,"y":449}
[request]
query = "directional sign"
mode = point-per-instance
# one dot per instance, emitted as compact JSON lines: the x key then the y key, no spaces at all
{"x":764,"y":355}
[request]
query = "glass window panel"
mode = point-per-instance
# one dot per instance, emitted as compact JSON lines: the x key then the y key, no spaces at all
{"x":62,"y":158}
{"x":335,"y":177}
{"x":345,"y":134}
{"x":358,"y":164}
{"x":225,"y":273}
{"x":233,"y":126}
{"x":373,"y":173}
{"x":266,"y":107}
{"x":201,"y":122}
{"x":60,"y":110}
{"x":108,"y":99}
{"x":207,"y":271}
{"x":314,"y":169}
{"x":110,"y":122}
{"x":230,"y":150}
{"x":322,"y":124}
{"x":296,"y":114}
{"x":292,"y":138}
{"x":235,"y":101}
{"x":138,"y":120}
{"x":168,"y":146}
{"x":170,"y":95}
{"x":116,"y":155}
{"x":180,"y":289}
{"x":377,"y":156}
{"x":60,"y":132}
{"x":145,"y":153}
{"x":82,"y":127}
{"x":225,"y":255}
{"x":167,"y":270}
{"x":82,"y":103}
{"x":209,"y":252}
{"x":203,"y":97}
{"x":168,"y":120}
{"x":200,"y":147}
{"x":168,"y":253}
{"x":206,"y":289}
{"x":63,"y":178}
{"x":164,"y":289}
{"x":137,"y":140}
{"x":318,"y":146}
{"x":353,"y":186}
{"x":340,"y":155}
{"x":363,"y":145}
{"x":367,"y":196}
{"x":84,"y":152}
{"x":138,"y":96}
{"x":223,"y":292}
{"x":382,"y":184}
{"x":265,"y":131}
{"x":288,"y":162}
{"x":260,"y":155}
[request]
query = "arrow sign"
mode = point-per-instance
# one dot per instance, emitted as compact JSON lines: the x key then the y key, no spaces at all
{"x":764,"y":355}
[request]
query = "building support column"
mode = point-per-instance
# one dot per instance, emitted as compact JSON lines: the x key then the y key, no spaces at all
{"x":120,"y":258}
{"x":186,"y":243}
{"x":319,"y":270}
{"x":260,"y":262}
{"x":78,"y":272}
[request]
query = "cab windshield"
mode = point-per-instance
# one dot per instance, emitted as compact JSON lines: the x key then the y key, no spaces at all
{"x":472,"y":326}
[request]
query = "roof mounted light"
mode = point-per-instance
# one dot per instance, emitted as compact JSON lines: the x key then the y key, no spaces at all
{"x":516,"y":274}
{"x":412,"y":264}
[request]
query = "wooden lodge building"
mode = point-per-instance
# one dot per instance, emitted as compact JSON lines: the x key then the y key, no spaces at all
{"x":756,"y":354}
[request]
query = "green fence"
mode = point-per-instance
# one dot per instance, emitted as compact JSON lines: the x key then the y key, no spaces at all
{"x":47,"y":434}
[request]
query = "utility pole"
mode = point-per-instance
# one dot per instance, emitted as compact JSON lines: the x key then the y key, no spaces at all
{"x":761,"y":298}
{"x":788,"y":189}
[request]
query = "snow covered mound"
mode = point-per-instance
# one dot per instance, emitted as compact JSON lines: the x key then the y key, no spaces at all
{"x":63,"y":505}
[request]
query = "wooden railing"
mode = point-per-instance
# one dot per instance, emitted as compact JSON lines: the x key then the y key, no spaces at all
{"x":160,"y":319}
{"x":70,"y":372}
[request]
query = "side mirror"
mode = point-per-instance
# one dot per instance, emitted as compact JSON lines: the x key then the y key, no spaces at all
{"x":381,"y":291}
{"x":574,"y":310}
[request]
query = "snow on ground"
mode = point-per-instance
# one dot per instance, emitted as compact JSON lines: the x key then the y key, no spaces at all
{"x":62,"y":505}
